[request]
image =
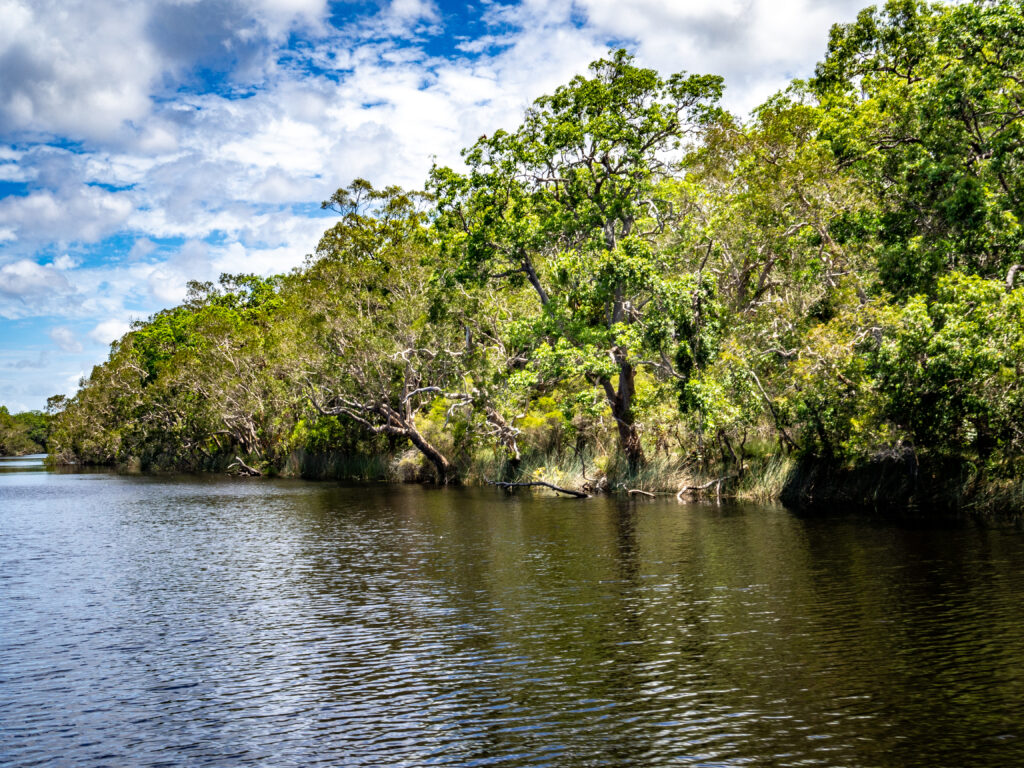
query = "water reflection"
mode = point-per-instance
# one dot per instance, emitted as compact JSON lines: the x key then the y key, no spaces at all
{"x":31,"y":463}
{"x":204,"y":620}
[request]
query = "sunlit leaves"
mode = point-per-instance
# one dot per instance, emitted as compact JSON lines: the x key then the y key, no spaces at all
{"x":926,"y":103}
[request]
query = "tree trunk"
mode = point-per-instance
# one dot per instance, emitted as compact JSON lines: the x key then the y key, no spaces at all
{"x":621,"y":402}
{"x":629,"y":439}
{"x":507,"y":437}
{"x":442,"y":466}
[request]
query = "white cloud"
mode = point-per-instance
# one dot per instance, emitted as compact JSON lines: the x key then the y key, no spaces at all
{"x":65,"y":339}
{"x":29,"y":289}
{"x":26,"y":279}
{"x":140,"y":249}
{"x":80,"y":69}
{"x":68,"y":70}
{"x":109,"y":331}
{"x":65,"y":262}
{"x":14,"y":172}
{"x":282,"y":143}
{"x":64,"y":214}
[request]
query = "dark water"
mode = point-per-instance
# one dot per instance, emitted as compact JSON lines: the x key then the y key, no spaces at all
{"x":207,"y":621}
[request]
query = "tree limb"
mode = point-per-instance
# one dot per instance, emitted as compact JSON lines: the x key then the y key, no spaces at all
{"x":244,"y":468}
{"x":577,"y":494}
{"x":1011,"y":276}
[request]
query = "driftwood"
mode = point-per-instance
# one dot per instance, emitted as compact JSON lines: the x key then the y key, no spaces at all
{"x":577,"y":494}
{"x":244,"y":468}
{"x":631,"y":491}
{"x":717,"y":482}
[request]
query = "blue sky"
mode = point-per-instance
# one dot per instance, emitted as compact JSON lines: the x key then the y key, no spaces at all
{"x":143,"y":145}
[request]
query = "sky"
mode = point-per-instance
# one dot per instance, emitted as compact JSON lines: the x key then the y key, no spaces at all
{"x":146,"y":144}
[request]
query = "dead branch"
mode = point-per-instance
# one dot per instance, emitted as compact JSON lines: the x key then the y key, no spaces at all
{"x":506,"y":433}
{"x":244,"y":468}
{"x":631,"y":491}
{"x":1011,"y":276}
{"x":717,"y":482}
{"x":507,"y":486}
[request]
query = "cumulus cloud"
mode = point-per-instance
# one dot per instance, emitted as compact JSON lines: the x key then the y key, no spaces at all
{"x":65,"y":262}
{"x":109,"y":331}
{"x":10,"y":171}
{"x":67,"y":69}
{"x":65,"y":339}
{"x":757,"y":46}
{"x":67,"y":209}
{"x":29,"y":289}
{"x":26,"y":279}
{"x":81,"y":69}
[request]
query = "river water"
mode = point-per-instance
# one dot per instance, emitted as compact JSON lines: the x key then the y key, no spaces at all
{"x":174,"y":621}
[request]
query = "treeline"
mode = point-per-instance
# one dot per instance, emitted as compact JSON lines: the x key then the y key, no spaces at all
{"x":23,"y":433}
{"x":637,"y":287}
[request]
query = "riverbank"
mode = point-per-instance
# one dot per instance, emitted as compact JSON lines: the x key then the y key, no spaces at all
{"x":897,"y":484}
{"x":894,"y":484}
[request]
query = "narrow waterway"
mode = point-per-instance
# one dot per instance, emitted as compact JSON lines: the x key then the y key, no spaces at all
{"x":159,"y":621}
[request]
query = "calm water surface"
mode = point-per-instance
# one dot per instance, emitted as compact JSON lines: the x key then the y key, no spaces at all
{"x":208,"y":621}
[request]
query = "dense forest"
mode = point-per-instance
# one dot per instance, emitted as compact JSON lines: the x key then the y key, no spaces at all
{"x":23,"y":433}
{"x":636,"y":289}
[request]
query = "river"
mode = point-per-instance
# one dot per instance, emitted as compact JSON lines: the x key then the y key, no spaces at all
{"x":175,"y":621}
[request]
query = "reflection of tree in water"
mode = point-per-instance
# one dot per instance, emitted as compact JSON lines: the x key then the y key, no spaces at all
{"x":613,"y":633}
{"x":931,"y":618}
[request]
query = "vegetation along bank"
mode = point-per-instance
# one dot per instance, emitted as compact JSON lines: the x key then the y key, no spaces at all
{"x":636,"y":289}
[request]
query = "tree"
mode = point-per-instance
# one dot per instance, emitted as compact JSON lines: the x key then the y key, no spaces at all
{"x":572,"y":203}
{"x":22,"y":433}
{"x":771,"y":216}
{"x":375,"y":359}
{"x":926,"y":103}
{"x":951,"y":368}
{"x":186,"y":388}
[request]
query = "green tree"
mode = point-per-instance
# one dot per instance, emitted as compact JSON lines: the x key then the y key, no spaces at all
{"x":770,"y":219}
{"x":187,"y":387}
{"x":951,"y":368}
{"x":22,"y":433}
{"x":926,"y":103}
{"x":374,"y":359}
{"x":573,"y":204}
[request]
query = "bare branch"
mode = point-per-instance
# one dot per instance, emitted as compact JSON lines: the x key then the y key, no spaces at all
{"x":576,"y":494}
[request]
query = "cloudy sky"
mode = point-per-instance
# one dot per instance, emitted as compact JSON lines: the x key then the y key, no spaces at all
{"x":144,"y":144}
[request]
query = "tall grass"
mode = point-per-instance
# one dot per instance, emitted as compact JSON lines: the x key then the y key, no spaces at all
{"x":339,"y":466}
{"x":765,"y":478}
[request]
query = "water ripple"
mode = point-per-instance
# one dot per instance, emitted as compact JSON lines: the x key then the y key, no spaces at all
{"x":202,"y":621}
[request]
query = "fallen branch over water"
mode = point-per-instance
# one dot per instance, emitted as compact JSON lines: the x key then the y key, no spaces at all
{"x":631,"y":491}
{"x":244,"y":468}
{"x":717,"y":482}
{"x":577,"y":494}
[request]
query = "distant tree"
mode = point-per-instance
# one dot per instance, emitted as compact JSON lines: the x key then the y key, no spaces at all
{"x":186,"y":387}
{"x":18,"y":433}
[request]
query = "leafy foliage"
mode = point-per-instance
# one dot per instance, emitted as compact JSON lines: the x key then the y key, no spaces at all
{"x":23,"y":433}
{"x":925,"y":103}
